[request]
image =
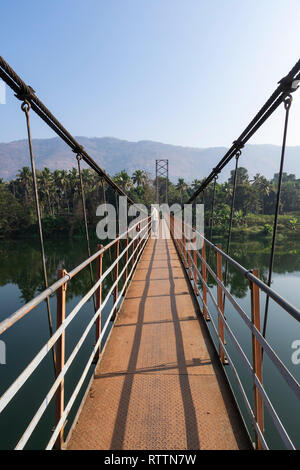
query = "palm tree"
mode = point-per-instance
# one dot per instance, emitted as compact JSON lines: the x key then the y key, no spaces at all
{"x":73,"y":178}
{"x":263,"y":188}
{"x":196,"y":183}
{"x":123,"y":180}
{"x":139,"y":178}
{"x":46,"y":187}
{"x":61,"y":182}
{"x":24,"y":178}
{"x":181,"y":187}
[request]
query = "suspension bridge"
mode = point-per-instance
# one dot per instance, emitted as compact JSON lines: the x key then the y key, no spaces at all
{"x":160,"y":373}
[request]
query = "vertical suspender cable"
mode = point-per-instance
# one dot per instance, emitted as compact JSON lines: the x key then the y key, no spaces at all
{"x":211,"y":222}
{"x":287,"y":105}
{"x":105,"y":205}
{"x":203,"y":202}
{"x":26,"y":108}
{"x":194,"y":212}
{"x":117,"y":212}
{"x":85,"y":224}
{"x":237,"y":156}
{"x":213,"y":209}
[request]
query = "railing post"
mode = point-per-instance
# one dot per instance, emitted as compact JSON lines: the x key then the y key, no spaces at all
{"x":60,"y":355}
{"x":189,"y":255}
{"x":116,"y":270}
{"x":204,"y":276}
{"x":126,"y":261}
{"x":133,"y":249}
{"x":136,"y":244}
{"x":184,"y":251}
{"x":175,"y":234}
{"x":177,"y":241}
{"x":183,"y":246}
{"x":195,"y":265}
{"x":98,"y":299}
{"x":220,"y":304}
{"x":257,"y":357}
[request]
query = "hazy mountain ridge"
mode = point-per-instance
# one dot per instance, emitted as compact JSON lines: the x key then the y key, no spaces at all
{"x":114,"y":155}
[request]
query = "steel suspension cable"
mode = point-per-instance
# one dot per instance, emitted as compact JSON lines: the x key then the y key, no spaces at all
{"x":287,"y":85}
{"x":211,"y":220}
{"x":26,"y":108}
{"x":83,"y":200}
{"x":238,"y":154}
{"x":287,"y":106}
{"x":25,"y":92}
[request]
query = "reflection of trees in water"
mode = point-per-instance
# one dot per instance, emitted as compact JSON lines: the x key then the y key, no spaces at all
{"x":21,"y":265}
{"x":256,"y":254}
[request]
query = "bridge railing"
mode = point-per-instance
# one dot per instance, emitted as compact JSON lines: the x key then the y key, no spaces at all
{"x":139,"y":234}
{"x":182,"y":234}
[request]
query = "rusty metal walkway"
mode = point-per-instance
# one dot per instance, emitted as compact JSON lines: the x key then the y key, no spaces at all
{"x":159,"y":384}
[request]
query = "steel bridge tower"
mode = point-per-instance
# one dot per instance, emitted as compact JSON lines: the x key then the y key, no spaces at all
{"x":162,"y":171}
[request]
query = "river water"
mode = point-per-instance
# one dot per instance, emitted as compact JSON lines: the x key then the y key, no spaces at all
{"x":20,"y":280}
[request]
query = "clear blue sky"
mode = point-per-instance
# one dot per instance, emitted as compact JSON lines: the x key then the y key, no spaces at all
{"x":186,"y":72}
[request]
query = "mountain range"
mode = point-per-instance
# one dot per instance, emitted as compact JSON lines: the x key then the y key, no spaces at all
{"x":114,"y":155}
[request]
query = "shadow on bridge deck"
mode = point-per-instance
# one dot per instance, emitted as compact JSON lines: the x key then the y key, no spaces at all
{"x":159,"y":384}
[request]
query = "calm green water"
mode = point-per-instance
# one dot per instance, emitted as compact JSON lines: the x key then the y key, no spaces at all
{"x":20,"y":280}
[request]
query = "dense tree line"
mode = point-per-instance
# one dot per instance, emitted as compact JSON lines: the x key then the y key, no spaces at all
{"x":61,"y":209}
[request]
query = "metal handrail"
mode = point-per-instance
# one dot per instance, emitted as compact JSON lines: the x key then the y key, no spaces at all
{"x":25,"y":93}
{"x":285,"y":373}
{"x":274,"y":358}
{"x":288,"y":377}
{"x":22,"y":378}
{"x":25,"y":309}
{"x":291,"y":309}
{"x":75,"y":393}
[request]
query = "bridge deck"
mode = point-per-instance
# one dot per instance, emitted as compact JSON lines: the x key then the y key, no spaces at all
{"x":159,"y":384}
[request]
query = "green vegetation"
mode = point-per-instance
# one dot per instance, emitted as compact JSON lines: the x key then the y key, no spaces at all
{"x":61,"y":207}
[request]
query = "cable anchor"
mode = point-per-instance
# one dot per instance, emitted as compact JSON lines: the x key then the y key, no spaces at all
{"x":287,"y":102}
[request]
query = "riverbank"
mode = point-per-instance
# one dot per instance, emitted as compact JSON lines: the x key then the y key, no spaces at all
{"x":260,"y":226}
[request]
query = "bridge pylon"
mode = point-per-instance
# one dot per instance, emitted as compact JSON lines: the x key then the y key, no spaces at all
{"x":161,"y":174}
